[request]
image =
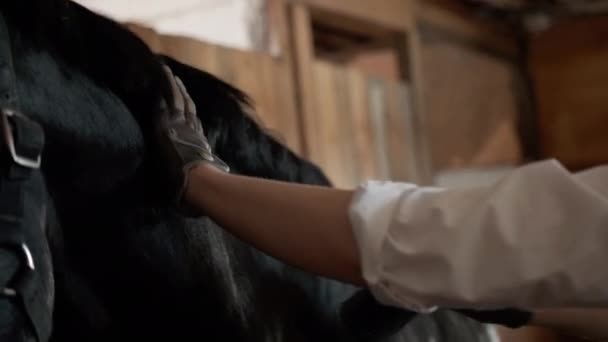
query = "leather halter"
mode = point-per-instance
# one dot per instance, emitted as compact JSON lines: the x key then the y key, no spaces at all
{"x":21,"y":194}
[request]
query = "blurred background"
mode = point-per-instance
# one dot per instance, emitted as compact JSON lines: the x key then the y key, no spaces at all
{"x":437,"y":92}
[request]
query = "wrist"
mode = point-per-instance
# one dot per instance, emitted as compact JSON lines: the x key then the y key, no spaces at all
{"x":201,"y":180}
{"x":205,"y":169}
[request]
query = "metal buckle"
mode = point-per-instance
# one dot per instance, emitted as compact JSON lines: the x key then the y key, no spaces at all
{"x":26,"y":256}
{"x":10,"y":142}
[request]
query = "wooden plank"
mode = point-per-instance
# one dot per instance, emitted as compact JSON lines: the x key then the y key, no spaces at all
{"x":394,"y":14}
{"x":570,"y":38}
{"x":333,"y":128}
{"x":421,"y":159}
{"x":409,"y":49}
{"x":242,"y":68}
{"x":289,"y":107}
{"x":348,"y":161}
{"x":284,"y":93}
{"x":471,"y":120}
{"x":396,"y":133}
{"x":192,"y":52}
{"x":285,"y":102}
{"x":327,"y":124}
{"x":335,"y":21}
{"x":266,"y":84}
{"x":278,"y":17}
{"x":377,"y":107}
{"x":362,"y":127}
{"x":275,"y":102}
{"x":303,"y":58}
{"x":457,"y":20}
{"x":569,"y":67}
{"x":263,"y":78}
{"x":225,"y":64}
{"x":412,"y":133}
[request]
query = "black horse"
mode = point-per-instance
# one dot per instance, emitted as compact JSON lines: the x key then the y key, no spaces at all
{"x":127,"y":265}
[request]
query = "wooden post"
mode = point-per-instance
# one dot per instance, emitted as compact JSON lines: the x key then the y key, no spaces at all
{"x":279,"y":20}
{"x":409,"y":49}
{"x":303,"y":59}
{"x":390,"y":14}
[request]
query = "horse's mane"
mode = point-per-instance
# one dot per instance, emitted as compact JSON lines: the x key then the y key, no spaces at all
{"x":120,"y":62}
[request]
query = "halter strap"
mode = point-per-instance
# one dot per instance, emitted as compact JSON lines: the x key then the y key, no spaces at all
{"x":21,"y":194}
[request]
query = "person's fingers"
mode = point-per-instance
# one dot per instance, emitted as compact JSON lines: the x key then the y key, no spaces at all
{"x":190,"y":106}
{"x":163,"y":106}
{"x":178,"y":98}
{"x":165,"y":112}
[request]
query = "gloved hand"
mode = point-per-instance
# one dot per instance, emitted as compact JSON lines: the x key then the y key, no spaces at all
{"x":182,"y":138}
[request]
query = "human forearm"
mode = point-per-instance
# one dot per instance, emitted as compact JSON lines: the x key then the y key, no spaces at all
{"x":304,"y":226}
{"x":307,"y":226}
{"x":526,"y":242}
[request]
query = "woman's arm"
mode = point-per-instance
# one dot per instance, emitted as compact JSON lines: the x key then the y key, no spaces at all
{"x":535,"y":239}
{"x":306,"y":226}
{"x":309,"y":227}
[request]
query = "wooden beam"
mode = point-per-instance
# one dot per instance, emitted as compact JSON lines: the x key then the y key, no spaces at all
{"x":303,"y":63}
{"x":353,"y":26}
{"x":422,"y":172}
{"x":393,"y":14}
{"x":278,"y":18}
{"x":448,"y":16}
{"x":279,"y":22}
{"x":364,"y":140}
{"x":569,"y":66}
{"x":397,"y":139}
{"x":343,"y":56}
{"x":433,"y":34}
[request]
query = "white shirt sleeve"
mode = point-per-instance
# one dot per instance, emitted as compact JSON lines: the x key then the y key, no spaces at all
{"x":536,"y":239}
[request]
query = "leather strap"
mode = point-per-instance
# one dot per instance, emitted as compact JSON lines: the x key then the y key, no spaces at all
{"x":22,"y":197}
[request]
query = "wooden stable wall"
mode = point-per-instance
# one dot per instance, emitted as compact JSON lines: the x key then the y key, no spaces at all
{"x":360,"y":123}
{"x":569,"y":66}
{"x":355,"y":126}
{"x":453,"y":17}
{"x":468,"y":92}
{"x":470,"y":105}
{"x":394,"y":14}
{"x":266,"y":79}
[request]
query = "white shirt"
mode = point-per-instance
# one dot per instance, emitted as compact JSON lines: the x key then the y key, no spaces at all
{"x":536,"y":239}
